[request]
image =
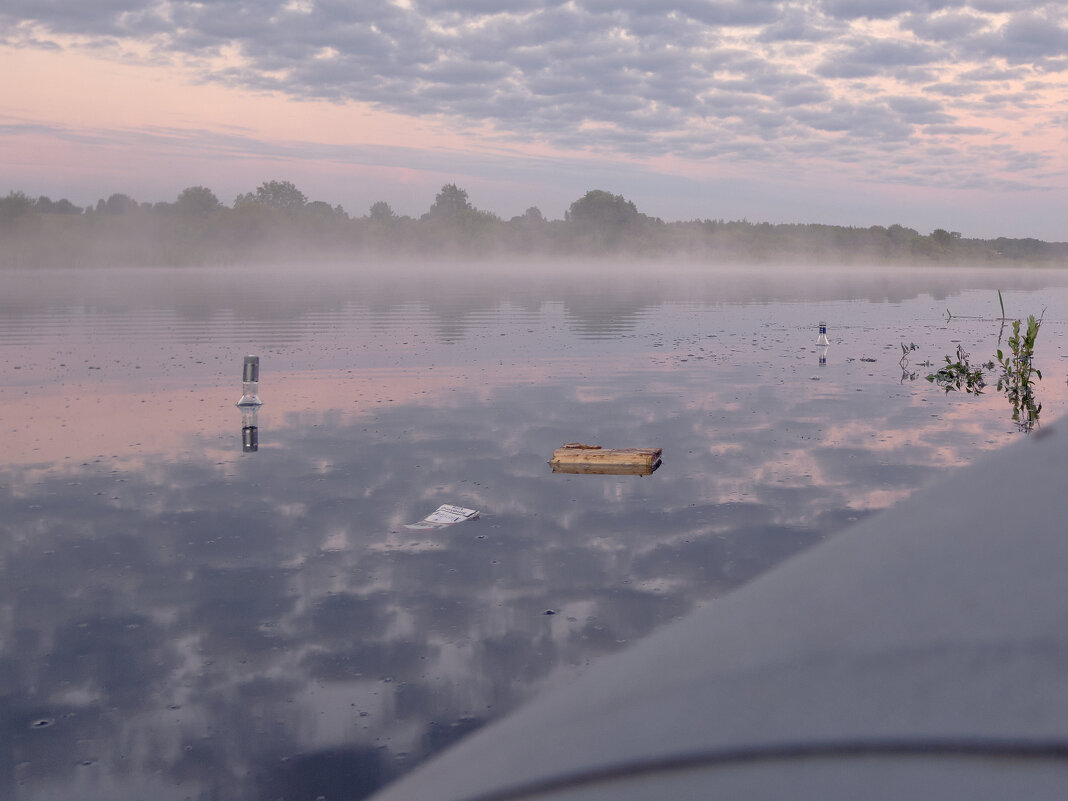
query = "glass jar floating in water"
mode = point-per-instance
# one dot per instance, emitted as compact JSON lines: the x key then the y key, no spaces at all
{"x":250,"y":382}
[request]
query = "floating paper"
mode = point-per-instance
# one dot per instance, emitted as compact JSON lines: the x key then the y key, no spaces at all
{"x":444,"y":515}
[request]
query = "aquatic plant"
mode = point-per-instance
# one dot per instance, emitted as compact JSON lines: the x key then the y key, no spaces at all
{"x":960,"y":374}
{"x":1017,"y":371}
{"x":907,"y":374}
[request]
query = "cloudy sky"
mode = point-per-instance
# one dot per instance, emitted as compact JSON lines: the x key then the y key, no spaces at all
{"x":928,"y":113}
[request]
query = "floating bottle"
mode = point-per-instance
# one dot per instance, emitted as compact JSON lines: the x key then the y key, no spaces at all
{"x":822,"y":339}
{"x":250,"y":382}
{"x":250,"y":430}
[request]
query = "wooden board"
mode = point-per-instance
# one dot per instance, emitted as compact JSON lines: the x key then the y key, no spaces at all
{"x":606,"y":469}
{"x":576,"y":457}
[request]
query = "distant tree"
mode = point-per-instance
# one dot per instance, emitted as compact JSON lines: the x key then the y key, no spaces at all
{"x":323,"y":210}
{"x":197,"y":201}
{"x":942,"y":237}
{"x":531,"y":218}
{"x":598,"y":209}
{"x":453,"y":225}
{"x":1025,"y":249}
{"x":381,"y":212}
{"x":64,"y":206}
{"x":45,"y":205}
{"x":118,"y":204}
{"x":898,"y":233}
{"x":278,"y":194}
{"x":15,"y":205}
{"x":450,"y":204}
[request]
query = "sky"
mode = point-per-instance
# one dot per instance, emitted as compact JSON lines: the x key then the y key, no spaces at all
{"x":926,"y":113}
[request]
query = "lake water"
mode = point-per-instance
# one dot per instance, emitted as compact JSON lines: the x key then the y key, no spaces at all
{"x":185,"y":617}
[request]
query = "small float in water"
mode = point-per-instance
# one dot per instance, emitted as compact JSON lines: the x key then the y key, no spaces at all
{"x":575,"y":457}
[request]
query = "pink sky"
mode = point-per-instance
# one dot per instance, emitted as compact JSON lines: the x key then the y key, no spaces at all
{"x":929,"y":114}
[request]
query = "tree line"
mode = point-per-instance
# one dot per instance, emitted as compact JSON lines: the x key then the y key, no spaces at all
{"x":276,"y":222}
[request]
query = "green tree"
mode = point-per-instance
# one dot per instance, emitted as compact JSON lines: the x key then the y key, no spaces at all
{"x":281,"y":195}
{"x":118,"y":203}
{"x":602,"y":210}
{"x":64,"y":206}
{"x":942,"y":237}
{"x":381,"y":212}
{"x":197,"y":201}
{"x":451,"y":204}
{"x":15,"y":205}
{"x":322,"y":210}
{"x":600,"y":221}
{"x":453,"y":224}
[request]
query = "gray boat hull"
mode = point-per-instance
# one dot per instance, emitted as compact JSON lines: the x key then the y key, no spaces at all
{"x":922,"y":653}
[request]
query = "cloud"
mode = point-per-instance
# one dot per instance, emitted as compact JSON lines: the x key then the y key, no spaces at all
{"x":796,"y":25}
{"x":944,"y":27}
{"x":872,"y":121}
{"x":1004,"y":6}
{"x":691,"y":79}
{"x":803,"y":95}
{"x":880,"y":9}
{"x":864,"y":58}
{"x":1029,"y":37}
{"x":706,"y":12}
{"x":919,"y":110}
{"x":955,"y":89}
{"x":955,"y":130}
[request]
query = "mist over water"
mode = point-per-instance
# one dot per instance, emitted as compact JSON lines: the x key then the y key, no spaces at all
{"x":180,"y":617}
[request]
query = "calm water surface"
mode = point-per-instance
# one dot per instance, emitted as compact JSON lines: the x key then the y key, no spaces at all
{"x":182,"y":617}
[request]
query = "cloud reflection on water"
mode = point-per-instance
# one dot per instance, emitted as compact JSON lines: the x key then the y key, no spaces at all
{"x":194,"y":620}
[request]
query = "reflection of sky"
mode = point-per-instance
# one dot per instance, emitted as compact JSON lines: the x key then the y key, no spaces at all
{"x":176,"y":614}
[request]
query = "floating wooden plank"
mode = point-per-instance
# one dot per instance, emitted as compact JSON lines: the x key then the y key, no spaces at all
{"x":606,"y":469}
{"x":576,"y":457}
